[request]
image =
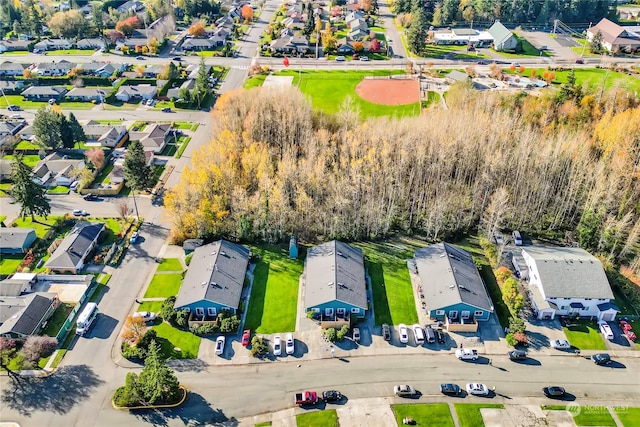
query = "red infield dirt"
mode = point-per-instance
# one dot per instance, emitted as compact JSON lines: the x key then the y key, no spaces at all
{"x":389,"y":91}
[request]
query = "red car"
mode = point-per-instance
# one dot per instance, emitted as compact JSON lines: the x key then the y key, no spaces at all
{"x":628,"y":331}
{"x":246,"y":335}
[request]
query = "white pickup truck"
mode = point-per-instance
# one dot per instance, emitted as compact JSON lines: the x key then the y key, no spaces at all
{"x":467,"y":354}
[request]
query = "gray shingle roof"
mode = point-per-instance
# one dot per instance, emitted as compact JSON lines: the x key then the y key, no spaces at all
{"x":74,"y":245}
{"x":449,"y":276}
{"x":499,"y":32}
{"x":569,"y":272}
{"x":13,"y":237}
{"x":335,"y":271}
{"x":22,"y":315}
{"x":216,"y":273}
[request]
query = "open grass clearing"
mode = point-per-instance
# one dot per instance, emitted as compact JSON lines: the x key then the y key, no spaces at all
{"x":41,"y":225}
{"x":27,"y":145}
{"x":588,"y":415}
{"x":584,"y":334}
{"x":30,"y":160}
{"x":164,"y":286}
{"x":274,"y":294}
{"x":326,"y":418}
{"x":58,"y":189}
{"x":393,"y":299}
{"x":9,"y":264}
{"x":175,"y":343}
{"x":170,"y":264}
{"x":469,"y":413}
{"x":59,"y":52}
{"x":424,"y":414}
{"x":629,"y":417}
{"x":152,"y":306}
{"x":596,"y":77}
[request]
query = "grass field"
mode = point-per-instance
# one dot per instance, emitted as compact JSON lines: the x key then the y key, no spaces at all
{"x":274,"y":294}
{"x":164,"y":286}
{"x":175,"y":343}
{"x":327,"y":418}
{"x":9,"y":263}
{"x":57,"y":320}
{"x":585,"y":335}
{"x":34,"y":105}
{"x":393,"y":300}
{"x":58,"y":189}
{"x":582,"y":50}
{"x":424,"y":414}
{"x":70,"y":52}
{"x":30,"y":160}
{"x":27,"y":145}
{"x":41,"y":225}
{"x":630,"y":417}
{"x":589,"y":416}
{"x":152,"y":306}
{"x":595,"y":78}
{"x":329,"y":89}
{"x":183,"y":146}
{"x":469,"y":413}
{"x":170,"y":264}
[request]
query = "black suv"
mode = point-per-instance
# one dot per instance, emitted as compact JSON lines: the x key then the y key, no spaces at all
{"x":386,"y":332}
{"x":601,"y":359}
{"x":440,"y":336}
{"x":517,"y":355}
{"x":90,"y":197}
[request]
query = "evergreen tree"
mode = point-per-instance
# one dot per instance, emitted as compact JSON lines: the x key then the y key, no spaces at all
{"x":97,"y":18}
{"x":65,"y":132}
{"x":157,"y":383}
{"x":28,"y":194}
{"x":76,"y":129}
{"x":595,"y":45}
{"x":201,"y":89}
{"x":309,"y":24}
{"x":46,"y":128}
{"x":417,"y":33}
{"x":136,"y":171}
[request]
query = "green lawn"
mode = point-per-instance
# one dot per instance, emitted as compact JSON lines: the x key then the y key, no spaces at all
{"x":255,"y":81}
{"x":274,"y":294}
{"x":264,"y":424}
{"x":424,"y":414}
{"x":585,"y":335}
{"x":41,"y":225}
{"x":433,"y":98}
{"x":528,"y":50}
{"x":34,"y":105}
{"x":595,"y":77}
{"x":9,"y":264}
{"x":70,"y":52}
{"x":103,"y":176}
{"x":327,"y":418}
{"x":589,"y":415}
{"x":183,"y":146}
{"x":27,"y":145}
{"x":29,"y":159}
{"x":582,"y":50}
{"x":170,"y":264}
{"x":58,"y":189}
{"x":164,"y":285}
{"x":175,"y":343}
{"x":629,"y":417}
{"x":152,"y":306}
{"x":393,"y":300}
{"x":469,"y":413}
{"x":57,"y":320}
{"x":340,"y":84}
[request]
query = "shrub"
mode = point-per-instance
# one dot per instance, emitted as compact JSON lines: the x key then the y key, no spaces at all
{"x":229,"y":324}
{"x":258,"y":347}
{"x":330,"y":334}
{"x":489,"y":249}
{"x":502,"y":274}
{"x":181,"y":318}
{"x":516,"y":325}
{"x":143,"y":345}
{"x":310,"y":314}
{"x":520,"y":337}
{"x":204,"y":329}
{"x":167,"y":312}
{"x":129,"y":352}
{"x":511,"y":340}
{"x":342,"y":333}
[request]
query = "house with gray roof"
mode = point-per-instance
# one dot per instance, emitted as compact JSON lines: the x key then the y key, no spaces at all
{"x":86,"y":94}
{"x":14,"y":240}
{"x":564,"y":281}
{"x":101,"y":69}
{"x":452,"y":287}
{"x":13,"y":45}
{"x":56,"y":169}
{"x":71,"y":253}
{"x":335,"y":282}
{"x":43,"y":93}
{"x":8,"y":68}
{"x":136,"y":93}
{"x":503,"y":38}
{"x":93,"y":43}
{"x":26,"y":315}
{"x":106,"y":135}
{"x":53,"y":44}
{"x":11,"y":86}
{"x":60,"y":68}
{"x":214,"y":280}
{"x":154,"y":137}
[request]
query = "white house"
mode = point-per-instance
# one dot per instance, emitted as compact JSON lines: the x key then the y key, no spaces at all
{"x":128,"y":93}
{"x":564,"y":281}
{"x":615,"y":37}
{"x":53,"y":44}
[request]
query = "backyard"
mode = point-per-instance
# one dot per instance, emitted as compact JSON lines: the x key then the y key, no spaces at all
{"x":584,"y":334}
{"x":30,"y":160}
{"x":9,"y":264}
{"x":41,"y":225}
{"x":164,"y":285}
{"x":274,"y":293}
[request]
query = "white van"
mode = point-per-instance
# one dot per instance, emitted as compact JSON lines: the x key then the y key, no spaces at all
{"x":86,"y":318}
{"x":418,"y":333}
{"x":517,"y":238}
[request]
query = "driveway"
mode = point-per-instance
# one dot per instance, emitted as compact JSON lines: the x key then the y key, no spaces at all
{"x":542,"y":332}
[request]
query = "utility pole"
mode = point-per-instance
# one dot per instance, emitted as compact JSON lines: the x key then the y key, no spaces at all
{"x":584,"y":46}
{"x":555,"y":25}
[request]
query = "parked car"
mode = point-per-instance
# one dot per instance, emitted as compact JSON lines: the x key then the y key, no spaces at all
{"x":606,"y":330}
{"x":277,"y":345}
{"x":467,"y":354}
{"x":306,"y":398}
{"x":440,"y":335}
{"x":246,"y":337}
{"x":290,"y":347}
{"x":601,"y":359}
{"x":166,"y":110}
{"x":356,"y":334}
{"x":219,"y":345}
{"x":450,"y":389}
{"x":579,"y":61}
{"x":90,"y":197}
{"x":386,"y":332}
{"x":77,"y":212}
{"x":13,"y":108}
{"x":16,"y":116}
{"x":340,"y":58}
{"x":404,"y":390}
{"x":364,"y":58}
{"x":52,"y":101}
{"x":418,"y":334}
{"x":404,"y":334}
{"x":628,"y":330}
{"x":177,"y":58}
{"x":147,"y":316}
{"x":134,"y":237}
{"x":554,"y":392}
{"x":517,"y":355}
{"x":477,"y":389}
{"x":331,"y":396}
{"x":560,"y":344}
{"x":140,"y":58}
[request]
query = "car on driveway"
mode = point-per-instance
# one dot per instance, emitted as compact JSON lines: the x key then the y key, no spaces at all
{"x":477,"y":389}
{"x":246,"y":337}
{"x":467,"y":354}
{"x":147,"y":316}
{"x":628,"y":330}
{"x":166,"y":110}
{"x":440,"y":335}
{"x":560,"y":344}
{"x":450,"y":389}
{"x":331,"y":396}
{"x":16,"y":116}
{"x":356,"y":334}
{"x":90,"y":197}
{"x":177,"y":58}
{"x":554,"y":392}
{"x":277,"y":345}
{"x":290,"y":344}
{"x":80,"y":212}
{"x":140,"y":58}
{"x":404,"y":334}
{"x":386,"y":332}
{"x":219,"y":345}
{"x":517,"y":355}
{"x":606,"y":330}
{"x":601,"y":359}
{"x":364,"y":58}
{"x":404,"y":390}
{"x":13,"y":108}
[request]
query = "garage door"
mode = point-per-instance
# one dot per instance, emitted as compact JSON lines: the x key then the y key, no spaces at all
{"x":609,"y":317}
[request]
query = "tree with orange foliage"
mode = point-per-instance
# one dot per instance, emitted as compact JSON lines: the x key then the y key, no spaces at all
{"x":134,"y":329}
{"x":126,"y":26}
{"x":365,"y":5}
{"x":521,"y":69}
{"x":358,"y":46}
{"x":513,"y":68}
{"x":247,"y":13}
{"x":533,"y":72}
{"x":197,"y":29}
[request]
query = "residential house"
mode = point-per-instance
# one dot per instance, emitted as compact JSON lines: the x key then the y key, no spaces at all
{"x":356,"y":15}
{"x":26,"y":133}
{"x":14,"y":240}
{"x":11,"y":86}
{"x":8,"y":68}
{"x":289,"y":45}
{"x":13,"y":45}
{"x":344,"y":46}
{"x":56,"y":170}
{"x":614,"y":37}
{"x":9,"y":129}
{"x":18,"y":284}
{"x":358,"y":29}
{"x":136,"y":93}
{"x":451,"y":288}
{"x":214,"y":280}
{"x":131,"y":6}
{"x":197,"y":44}
{"x":219,"y":36}
{"x":53,"y":44}
{"x":6,"y":167}
{"x":293,"y":23}
{"x":463,"y":36}
{"x":335,"y":284}
{"x":71,"y":254}
{"x":100,"y":69}
{"x":43,"y":93}
{"x":191,"y":245}
{"x":503,"y":38}
{"x":564,"y":281}
{"x":235,"y":13}
{"x":111,"y":136}
{"x":60,"y":68}
{"x":152,"y":71}
{"x":116,"y":176}
{"x":154,"y":137}
{"x":94,"y":43}
{"x":86,"y":94}
{"x":174,"y":93}
{"x":225,"y":22}
{"x":132,"y":42}
{"x":193,"y":70}
{"x":26,"y":315}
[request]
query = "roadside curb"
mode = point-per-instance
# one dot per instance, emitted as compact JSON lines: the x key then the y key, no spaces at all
{"x":174,"y":405}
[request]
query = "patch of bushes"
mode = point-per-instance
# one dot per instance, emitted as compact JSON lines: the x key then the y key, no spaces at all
{"x":141,"y":349}
{"x":204,"y":329}
{"x":229,"y":322}
{"x":330,"y":334}
{"x":258,"y":347}
{"x":489,"y":249}
{"x":512,"y":297}
{"x":343,"y":332}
